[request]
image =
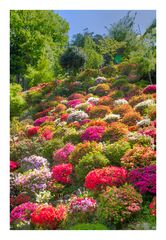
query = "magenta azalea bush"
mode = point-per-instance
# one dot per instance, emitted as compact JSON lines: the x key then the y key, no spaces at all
{"x":144,"y":179}
{"x":93,"y":133}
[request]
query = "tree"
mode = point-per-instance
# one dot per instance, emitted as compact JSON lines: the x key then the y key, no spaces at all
{"x":123,"y":30}
{"x":32,"y":34}
{"x":73,"y":59}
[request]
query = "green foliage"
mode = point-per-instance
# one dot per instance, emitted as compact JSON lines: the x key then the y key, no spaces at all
{"x":73,"y":59}
{"x":123,"y":29}
{"x":35,"y":44}
{"x":50,"y":146}
{"x":115,"y":151}
{"x":89,"y":162}
{"x":94,"y":59}
{"x":89,"y":226}
{"x":17,"y":102}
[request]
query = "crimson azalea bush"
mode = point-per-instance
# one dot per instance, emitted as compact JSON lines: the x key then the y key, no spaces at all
{"x":117,"y":205}
{"x":152,"y":206}
{"x":144,"y":179}
{"x":48,"y":217}
{"x":61,"y":173}
{"x":150,"y":89}
{"x":32,"y":131}
{"x":109,"y":176}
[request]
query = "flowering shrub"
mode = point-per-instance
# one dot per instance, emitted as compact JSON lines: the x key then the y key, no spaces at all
{"x":117,"y":205}
{"x":122,"y":109}
{"x":111,"y":118}
{"x":48,"y":217}
{"x":47,"y":134}
{"x":99,"y":111}
{"x":102,"y":89}
{"x":33,"y":162}
{"x":149,"y":89}
{"x":100,"y":80}
{"x":19,"y":199}
{"x":62,"y":154}
{"x":93,"y":133}
{"x":82,"y":149}
{"x":109,"y":176}
{"x":75,"y":96}
{"x":61,"y":173}
{"x":140,"y":107}
{"x":84,"y":205}
{"x":23,"y":212}
{"x":42,"y":120}
{"x":131,"y":118}
{"x":150,"y":132}
{"x":77,"y":116}
{"x":74,"y":103}
{"x":13,"y":166}
{"x":115,"y":132}
{"x":137,"y":99}
{"x":152,"y":206}
{"x":93,"y":100}
{"x":139,"y":139}
{"x":89,"y":162}
{"x":32,"y":131}
{"x":144,"y":179}
{"x":97,"y":122}
{"x":139,"y":156}
{"x":33,"y":181}
{"x":105,"y":100}
{"x":120,"y":101}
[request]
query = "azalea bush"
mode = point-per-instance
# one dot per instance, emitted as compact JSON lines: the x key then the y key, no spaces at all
{"x":117,"y":205}
{"x":110,"y":176}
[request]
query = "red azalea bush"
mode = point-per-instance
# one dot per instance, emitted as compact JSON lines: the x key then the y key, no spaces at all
{"x":61,"y":173}
{"x":93,"y":133}
{"x":150,"y":89}
{"x":144,"y":179}
{"x":48,"y":217}
{"x":152,"y":206}
{"x":108,"y":176}
{"x":139,"y":156}
{"x":13,"y":166}
{"x":47,"y":134}
{"x":62,"y":154}
{"x":64,"y":117}
{"x":32,"y":131}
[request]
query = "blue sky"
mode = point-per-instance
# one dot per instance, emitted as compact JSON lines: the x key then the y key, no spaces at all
{"x":96,"y":21}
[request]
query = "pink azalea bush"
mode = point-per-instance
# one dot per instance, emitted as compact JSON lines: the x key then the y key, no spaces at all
{"x":93,"y":133}
{"x":62,"y":154}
